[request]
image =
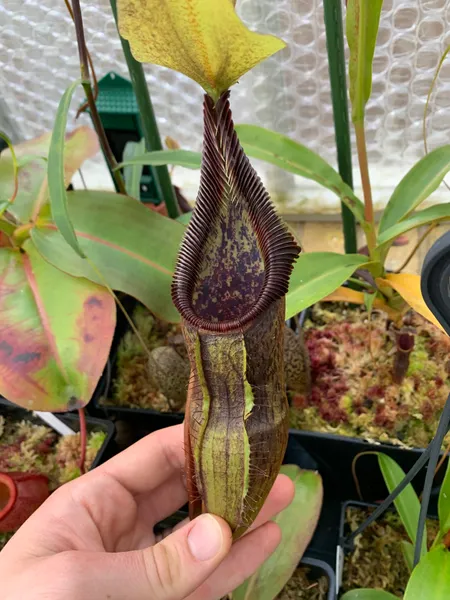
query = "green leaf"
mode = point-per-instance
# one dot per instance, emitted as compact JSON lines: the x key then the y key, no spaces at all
{"x":316,"y":275}
{"x":55,"y":172}
{"x":291,"y":156}
{"x":444,"y":503}
{"x":134,"y":248}
{"x":433,"y":214}
{"x":366,"y":594}
{"x":201,"y":39}
{"x":407,"y":503}
{"x":56,"y":333}
{"x":180,"y":158}
{"x":408,"y":553}
{"x":430,"y":580}
{"x":80,"y":144}
{"x":415,"y":187}
{"x":133,"y":172}
{"x":369,"y":299}
{"x":15,"y":168}
{"x":297,"y":522}
{"x":363,"y":19}
{"x":185,"y":218}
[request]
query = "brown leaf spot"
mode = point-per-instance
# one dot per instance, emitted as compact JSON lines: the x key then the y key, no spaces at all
{"x":94,"y":301}
{"x":26,"y":357}
{"x":87,"y":337}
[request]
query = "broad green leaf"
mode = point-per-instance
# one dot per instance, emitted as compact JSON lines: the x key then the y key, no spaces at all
{"x":430,"y":580}
{"x":444,"y":503}
{"x":56,"y":333}
{"x":408,"y":553}
{"x":80,"y":145}
{"x":297,"y":522}
{"x":202,"y":39}
{"x":291,"y":156}
{"x":415,"y":187}
{"x":408,"y":286}
{"x":363,"y":19}
{"x":133,"y":173}
{"x":316,"y":275}
{"x":407,"y":503}
{"x":134,"y":248}
{"x":180,"y":158}
{"x":55,"y":172}
{"x":366,"y":594}
{"x":433,"y":214}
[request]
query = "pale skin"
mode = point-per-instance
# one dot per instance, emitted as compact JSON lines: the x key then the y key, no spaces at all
{"x":93,"y":538}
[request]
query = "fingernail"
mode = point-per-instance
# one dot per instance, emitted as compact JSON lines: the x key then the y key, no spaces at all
{"x":205,"y":538}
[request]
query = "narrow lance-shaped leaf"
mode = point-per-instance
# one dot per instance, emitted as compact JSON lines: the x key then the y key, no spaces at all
{"x":363,"y":19}
{"x":430,"y":580}
{"x":202,"y":39}
{"x":230,"y":280}
{"x":180,"y":158}
{"x":444,"y":503}
{"x":56,"y":334}
{"x":432,"y":214}
{"x":55,"y":172}
{"x":415,"y":187}
{"x":133,"y":172}
{"x":297,"y":523}
{"x":316,"y":275}
{"x":291,"y":156}
{"x":407,"y":503}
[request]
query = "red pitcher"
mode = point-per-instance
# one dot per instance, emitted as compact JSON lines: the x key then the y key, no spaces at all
{"x":20,"y":495}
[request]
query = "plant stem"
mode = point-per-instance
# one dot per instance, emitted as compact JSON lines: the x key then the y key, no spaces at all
{"x":148,"y":122}
{"x":414,"y":250}
{"x":336,"y":62}
{"x":360,"y":283}
{"x":365,"y":180}
{"x":86,"y":83}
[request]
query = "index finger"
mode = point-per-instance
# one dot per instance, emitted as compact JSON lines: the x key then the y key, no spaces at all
{"x":148,"y":463}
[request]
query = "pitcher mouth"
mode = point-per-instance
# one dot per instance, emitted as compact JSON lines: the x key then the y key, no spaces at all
{"x":235,"y":235}
{"x":8,"y":494}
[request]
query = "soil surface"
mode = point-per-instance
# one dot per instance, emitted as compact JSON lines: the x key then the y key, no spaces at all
{"x":303,"y":586}
{"x":351,"y":359}
{"x":132,"y":385}
{"x":29,"y":447}
{"x":378,"y":560}
{"x":352,"y":389}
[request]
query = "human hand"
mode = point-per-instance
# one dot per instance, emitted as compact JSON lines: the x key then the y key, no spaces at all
{"x":93,"y":538}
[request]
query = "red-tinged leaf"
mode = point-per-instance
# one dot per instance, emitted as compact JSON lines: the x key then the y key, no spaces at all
{"x":81,"y":144}
{"x":55,"y":333}
{"x":133,"y":248}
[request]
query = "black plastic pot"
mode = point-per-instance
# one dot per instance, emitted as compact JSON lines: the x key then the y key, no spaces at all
{"x":108,"y":448}
{"x":320,"y":568}
{"x":334,"y":455}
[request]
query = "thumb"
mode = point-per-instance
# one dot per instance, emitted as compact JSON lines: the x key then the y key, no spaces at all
{"x":170,"y":570}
